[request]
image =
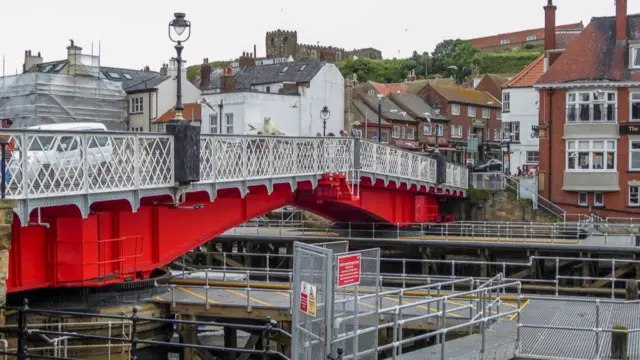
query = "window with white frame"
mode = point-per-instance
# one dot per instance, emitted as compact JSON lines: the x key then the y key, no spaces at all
{"x":511,"y":130}
{"x":456,"y":131}
{"x":486,"y":113}
{"x":426,"y":130}
{"x":506,"y":101}
{"x":229,"y":123}
{"x":374,"y":135}
{"x":160,"y":128}
{"x":213,"y":123}
{"x":439,"y":129}
{"x":634,"y":99}
{"x":498,"y":115}
{"x":591,"y":155}
{"x":471,"y":111}
{"x":396,"y":132}
{"x":533,"y":157}
{"x":634,"y":62}
{"x":591,"y":106}
{"x":598,"y":199}
{"x":411,"y":133}
{"x":505,"y":41}
{"x":455,"y":109}
{"x":583,"y":199}
{"x":496,"y":134}
{"x":404,"y":132}
{"x":634,"y":199}
{"x":137,"y":105}
{"x":532,"y":38}
{"x":634,"y":155}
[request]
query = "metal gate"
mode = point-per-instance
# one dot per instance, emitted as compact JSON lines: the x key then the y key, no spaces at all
{"x":335,"y":302}
{"x":313,"y":300}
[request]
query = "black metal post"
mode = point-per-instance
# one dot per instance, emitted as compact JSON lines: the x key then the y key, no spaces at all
{"x":23,"y":352}
{"x":437,"y":149}
{"x":179,"y":106}
{"x":380,"y":120}
{"x":134,"y":330}
{"x":507,"y":170}
{"x":324,"y":127}
{"x":220,"y":106}
{"x":4,"y":169}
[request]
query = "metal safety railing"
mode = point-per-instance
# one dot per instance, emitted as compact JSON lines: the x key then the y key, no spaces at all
{"x":454,"y":231}
{"x":128,"y":338}
{"x":276,"y":268}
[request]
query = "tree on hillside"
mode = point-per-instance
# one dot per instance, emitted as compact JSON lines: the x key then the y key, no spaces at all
{"x":421,"y":63}
{"x":384,"y":71}
{"x":455,"y":53}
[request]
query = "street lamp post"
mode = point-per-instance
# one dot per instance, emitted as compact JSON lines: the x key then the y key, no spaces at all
{"x":380,"y":96}
{"x":325,"y":114}
{"x":179,"y":25}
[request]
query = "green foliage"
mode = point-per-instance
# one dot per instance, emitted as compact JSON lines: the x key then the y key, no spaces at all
{"x":384,"y":71}
{"x":194,"y":70}
{"x":507,"y":62}
{"x":477,"y":195}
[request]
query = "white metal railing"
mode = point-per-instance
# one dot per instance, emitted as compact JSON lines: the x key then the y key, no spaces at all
{"x":43,"y":164}
{"x":454,"y":231}
{"x":276,"y":268}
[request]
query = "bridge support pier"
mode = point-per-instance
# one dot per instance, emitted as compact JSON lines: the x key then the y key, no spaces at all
{"x":6,"y":223}
{"x":189,"y":335}
{"x":231,"y":341}
{"x":586,"y":269}
{"x":484,"y":256}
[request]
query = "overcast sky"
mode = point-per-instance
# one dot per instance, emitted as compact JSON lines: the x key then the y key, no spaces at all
{"x":133,"y":33}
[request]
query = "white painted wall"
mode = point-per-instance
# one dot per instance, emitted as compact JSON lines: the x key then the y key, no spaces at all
{"x":524,"y":109}
{"x":167,"y":91}
{"x":294,"y":115}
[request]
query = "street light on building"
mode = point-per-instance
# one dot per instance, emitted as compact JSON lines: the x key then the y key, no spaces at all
{"x":179,"y":32}
{"x":325,"y":114}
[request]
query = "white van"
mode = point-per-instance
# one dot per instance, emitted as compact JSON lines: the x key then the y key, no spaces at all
{"x":59,"y":158}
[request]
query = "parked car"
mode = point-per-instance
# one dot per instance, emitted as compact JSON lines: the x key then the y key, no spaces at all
{"x":488,"y":166}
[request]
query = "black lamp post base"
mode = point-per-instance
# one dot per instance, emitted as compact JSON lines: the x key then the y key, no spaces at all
{"x":186,"y":151}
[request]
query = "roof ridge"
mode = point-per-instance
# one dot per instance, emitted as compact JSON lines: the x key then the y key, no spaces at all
{"x":524,"y":72}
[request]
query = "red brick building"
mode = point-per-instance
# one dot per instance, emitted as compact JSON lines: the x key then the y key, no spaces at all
{"x":589,"y":125}
{"x":517,"y":40}
{"x":473,"y":114}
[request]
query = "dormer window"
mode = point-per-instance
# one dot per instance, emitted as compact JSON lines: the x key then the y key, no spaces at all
{"x":634,"y":52}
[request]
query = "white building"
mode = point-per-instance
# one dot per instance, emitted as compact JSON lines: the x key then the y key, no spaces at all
{"x":520,"y":117}
{"x":290,"y":95}
{"x":149,"y":93}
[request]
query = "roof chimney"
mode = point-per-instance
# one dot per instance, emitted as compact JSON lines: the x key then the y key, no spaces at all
{"x":549,"y":26}
{"x":621,"y":21}
{"x":205,"y":74}
{"x":227,"y":81}
{"x":255,"y":51}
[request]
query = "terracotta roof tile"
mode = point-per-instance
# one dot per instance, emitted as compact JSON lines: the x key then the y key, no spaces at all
{"x":191,"y":112}
{"x":467,"y":96}
{"x":594,"y":55}
{"x":519,"y":36}
{"x":388,"y":89}
{"x":529,"y":76}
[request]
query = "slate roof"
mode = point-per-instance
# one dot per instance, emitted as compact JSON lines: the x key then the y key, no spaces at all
{"x":299,"y":71}
{"x":594,"y":56}
{"x":191,"y":112}
{"x":370,"y":115}
{"x":132,"y":80}
{"x":390,"y":111}
{"x":529,"y":76}
{"x":518,"y":36}
{"x":462,"y":95}
{"x":416,"y":107}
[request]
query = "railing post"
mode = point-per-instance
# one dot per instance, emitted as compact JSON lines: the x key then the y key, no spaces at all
{"x":206,"y":288}
{"x":23,"y":331}
{"x":557,"y":274}
{"x":134,"y":326}
{"x":4,"y":169}
{"x":597,"y":328}
{"x":518,"y":304}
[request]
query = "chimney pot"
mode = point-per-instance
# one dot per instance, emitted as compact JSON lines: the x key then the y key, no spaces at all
{"x":550,"y":26}
{"x":621,"y":21}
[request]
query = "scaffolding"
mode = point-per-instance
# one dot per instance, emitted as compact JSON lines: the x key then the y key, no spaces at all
{"x":39,"y":98}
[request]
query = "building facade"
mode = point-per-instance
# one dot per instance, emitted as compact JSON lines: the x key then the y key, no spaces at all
{"x":516,"y":41}
{"x":284,"y":43}
{"x":285,"y":98}
{"x":149,"y":93}
{"x":589,"y":117}
{"x":475,"y":120}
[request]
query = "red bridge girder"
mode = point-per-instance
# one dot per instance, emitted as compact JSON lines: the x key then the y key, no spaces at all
{"x":115,"y":245}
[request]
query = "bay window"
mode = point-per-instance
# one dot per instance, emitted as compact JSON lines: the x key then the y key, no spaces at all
{"x":634,"y":155}
{"x":591,"y":155}
{"x":591,"y":106}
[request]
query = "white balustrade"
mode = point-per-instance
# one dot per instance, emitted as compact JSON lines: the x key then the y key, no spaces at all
{"x":43,"y":164}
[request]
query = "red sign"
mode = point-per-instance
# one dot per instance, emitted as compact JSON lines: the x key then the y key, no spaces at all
{"x":348,"y":270}
{"x":304,"y":297}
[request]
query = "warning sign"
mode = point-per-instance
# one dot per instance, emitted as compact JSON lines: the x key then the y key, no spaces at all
{"x":308,"y":298}
{"x":304,"y":297}
{"x":348,"y":270}
{"x":311,"y":306}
